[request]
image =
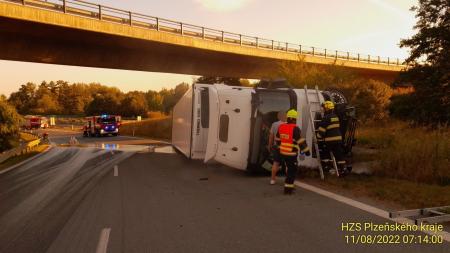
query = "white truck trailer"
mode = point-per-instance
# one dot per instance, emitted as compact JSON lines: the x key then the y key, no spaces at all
{"x":229,"y":124}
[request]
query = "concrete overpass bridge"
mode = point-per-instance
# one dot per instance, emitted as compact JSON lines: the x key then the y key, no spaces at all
{"x":79,"y":33}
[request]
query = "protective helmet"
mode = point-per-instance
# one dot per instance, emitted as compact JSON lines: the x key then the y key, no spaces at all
{"x":292,"y":114}
{"x":328,"y":105}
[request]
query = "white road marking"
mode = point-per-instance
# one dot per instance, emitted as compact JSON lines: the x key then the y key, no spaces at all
{"x":116,"y":170}
{"x":102,"y":245}
{"x":368,"y":208}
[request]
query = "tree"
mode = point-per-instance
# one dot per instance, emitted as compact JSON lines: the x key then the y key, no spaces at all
{"x":154,"y":101}
{"x":9,"y":125}
{"x":24,"y":99}
{"x":46,"y":102}
{"x":429,"y":70}
{"x":171,"y":97}
{"x":233,"y":81}
{"x":134,"y":104}
{"x":103,"y":104}
{"x":371,"y":98}
{"x":300,"y":73}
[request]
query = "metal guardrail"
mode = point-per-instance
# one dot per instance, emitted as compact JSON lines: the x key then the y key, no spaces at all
{"x":105,"y":13}
{"x":22,"y":149}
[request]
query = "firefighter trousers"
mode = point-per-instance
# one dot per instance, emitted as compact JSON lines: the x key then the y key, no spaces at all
{"x":291,"y":173}
{"x":336,"y":148}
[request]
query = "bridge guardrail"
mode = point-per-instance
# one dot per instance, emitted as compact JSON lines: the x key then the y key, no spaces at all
{"x":110,"y":14}
{"x":22,"y":149}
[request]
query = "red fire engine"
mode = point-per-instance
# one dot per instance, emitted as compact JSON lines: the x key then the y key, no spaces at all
{"x":102,"y":125}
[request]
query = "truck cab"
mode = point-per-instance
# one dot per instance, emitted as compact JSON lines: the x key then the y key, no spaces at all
{"x":230,"y":125}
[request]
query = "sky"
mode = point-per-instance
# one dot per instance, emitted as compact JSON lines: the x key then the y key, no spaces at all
{"x":372,"y":27}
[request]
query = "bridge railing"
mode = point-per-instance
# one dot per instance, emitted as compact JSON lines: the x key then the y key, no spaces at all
{"x":105,"y":13}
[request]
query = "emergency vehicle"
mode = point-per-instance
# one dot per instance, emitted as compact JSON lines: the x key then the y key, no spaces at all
{"x":102,"y":125}
{"x":35,"y":122}
{"x":230,"y":124}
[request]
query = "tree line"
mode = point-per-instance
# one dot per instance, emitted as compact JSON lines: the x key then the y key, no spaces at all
{"x":63,"y":98}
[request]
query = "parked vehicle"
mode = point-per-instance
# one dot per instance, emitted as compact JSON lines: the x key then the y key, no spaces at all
{"x":230,"y":124}
{"x":35,"y":122}
{"x":102,"y":125}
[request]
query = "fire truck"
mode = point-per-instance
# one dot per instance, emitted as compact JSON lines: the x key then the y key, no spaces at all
{"x":35,"y":122}
{"x":102,"y":125}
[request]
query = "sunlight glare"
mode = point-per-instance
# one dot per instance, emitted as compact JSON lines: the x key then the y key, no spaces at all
{"x":223,"y":5}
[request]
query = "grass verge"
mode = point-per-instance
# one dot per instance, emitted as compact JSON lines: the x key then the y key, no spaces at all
{"x":159,"y":128}
{"x":410,"y":166}
{"x":391,"y":192}
{"x":418,"y":154}
{"x":26,"y":137}
{"x":20,"y":158}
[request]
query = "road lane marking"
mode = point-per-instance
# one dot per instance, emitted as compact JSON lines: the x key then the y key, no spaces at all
{"x":368,"y":208}
{"x":102,"y":245}
{"x":116,"y":170}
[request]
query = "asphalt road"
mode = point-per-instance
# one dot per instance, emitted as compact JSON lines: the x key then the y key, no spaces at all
{"x":73,"y":200}
{"x":61,"y":136}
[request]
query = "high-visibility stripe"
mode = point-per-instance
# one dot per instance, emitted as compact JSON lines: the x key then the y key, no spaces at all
{"x":334,"y":119}
{"x":335,"y":138}
{"x":319,"y":135}
{"x":333,"y":126}
{"x":288,"y":146}
{"x":300,"y":141}
{"x":288,"y":153}
{"x":289,"y":185}
{"x":321,"y":129}
{"x":341,"y":162}
{"x":305,"y":150}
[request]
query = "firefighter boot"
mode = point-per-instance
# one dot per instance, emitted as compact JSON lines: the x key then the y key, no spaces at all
{"x":288,"y":189}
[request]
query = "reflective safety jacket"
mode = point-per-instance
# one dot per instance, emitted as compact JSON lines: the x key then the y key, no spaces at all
{"x":329,"y":128}
{"x":289,"y":140}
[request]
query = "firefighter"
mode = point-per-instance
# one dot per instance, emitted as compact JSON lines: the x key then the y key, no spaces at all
{"x":290,"y":143}
{"x":330,"y":134}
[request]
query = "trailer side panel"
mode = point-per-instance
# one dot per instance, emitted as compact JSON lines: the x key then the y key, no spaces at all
{"x":182,"y":124}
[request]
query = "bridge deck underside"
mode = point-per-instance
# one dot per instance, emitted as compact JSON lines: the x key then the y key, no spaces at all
{"x":31,"y":41}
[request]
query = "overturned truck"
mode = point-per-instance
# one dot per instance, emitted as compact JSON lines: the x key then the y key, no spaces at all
{"x":231,"y":124}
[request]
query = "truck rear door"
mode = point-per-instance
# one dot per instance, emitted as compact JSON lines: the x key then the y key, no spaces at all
{"x":229,"y":128}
